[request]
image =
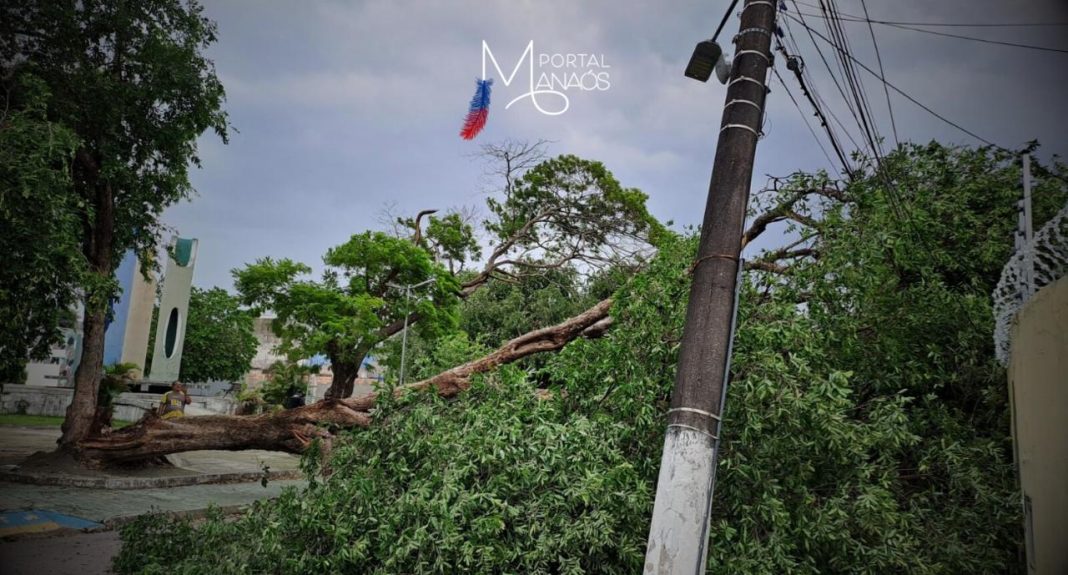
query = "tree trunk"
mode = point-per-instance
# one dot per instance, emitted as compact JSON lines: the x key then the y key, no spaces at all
{"x":82,"y":411}
{"x":344,"y":379}
{"x":292,"y":430}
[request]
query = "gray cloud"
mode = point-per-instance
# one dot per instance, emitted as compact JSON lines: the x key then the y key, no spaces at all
{"x":343,"y":108}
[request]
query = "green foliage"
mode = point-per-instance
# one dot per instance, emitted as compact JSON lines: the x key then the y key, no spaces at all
{"x":866,"y":428}
{"x":452,"y":240}
{"x":117,"y":379}
{"x":219,"y":338}
{"x":42,"y":261}
{"x":343,"y":314}
{"x":505,"y":310}
{"x":130,"y":80}
{"x":565,"y":202}
{"x":284,"y":378}
{"x":428,"y":357}
{"x":495,"y":482}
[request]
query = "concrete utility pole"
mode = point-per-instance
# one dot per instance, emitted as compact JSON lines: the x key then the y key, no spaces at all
{"x":678,"y":535}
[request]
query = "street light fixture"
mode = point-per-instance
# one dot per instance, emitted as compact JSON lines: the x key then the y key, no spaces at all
{"x":708,"y":57}
{"x":404,"y":337}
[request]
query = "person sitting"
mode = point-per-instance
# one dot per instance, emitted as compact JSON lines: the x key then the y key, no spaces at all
{"x":174,"y":401}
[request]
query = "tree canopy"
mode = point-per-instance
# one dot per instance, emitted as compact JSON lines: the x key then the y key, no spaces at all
{"x":43,"y":264}
{"x":550,"y":216}
{"x":866,"y":427}
{"x":130,"y":81}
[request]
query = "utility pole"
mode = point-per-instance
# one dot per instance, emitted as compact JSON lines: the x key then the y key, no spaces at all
{"x":407,"y":313}
{"x":678,"y":535}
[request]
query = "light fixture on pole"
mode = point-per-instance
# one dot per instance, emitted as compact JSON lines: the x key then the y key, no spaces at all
{"x":708,"y":57}
{"x":404,"y":337}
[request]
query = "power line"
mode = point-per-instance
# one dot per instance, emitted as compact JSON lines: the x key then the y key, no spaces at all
{"x":855,"y":18}
{"x":805,"y":119}
{"x":912,"y":27}
{"x":725,"y":18}
{"x":975,"y":39}
{"x":811,"y":92}
{"x":899,"y":90}
{"x":879,"y":57}
{"x":830,"y":72}
{"x":856,"y":87}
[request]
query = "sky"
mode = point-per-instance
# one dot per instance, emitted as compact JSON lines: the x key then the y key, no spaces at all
{"x":342,"y":109}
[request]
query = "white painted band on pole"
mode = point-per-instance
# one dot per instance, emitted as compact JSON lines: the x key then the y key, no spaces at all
{"x":742,"y":126}
{"x":682,"y":495}
{"x":694,"y":410}
{"x":757,"y":52}
{"x":758,"y":3}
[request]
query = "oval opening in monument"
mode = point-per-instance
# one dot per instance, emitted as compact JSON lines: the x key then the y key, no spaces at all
{"x":171,"y":338}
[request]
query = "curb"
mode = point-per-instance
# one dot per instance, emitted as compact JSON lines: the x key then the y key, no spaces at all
{"x":144,"y":482}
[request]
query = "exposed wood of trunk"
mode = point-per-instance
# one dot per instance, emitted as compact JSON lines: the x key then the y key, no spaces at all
{"x":290,"y":430}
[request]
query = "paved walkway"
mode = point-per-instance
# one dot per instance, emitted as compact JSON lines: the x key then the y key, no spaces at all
{"x":82,"y":554}
{"x":108,"y":505}
{"x":67,"y":551}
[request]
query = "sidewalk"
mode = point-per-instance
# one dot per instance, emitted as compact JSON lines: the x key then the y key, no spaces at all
{"x":42,"y":524}
{"x":77,"y":553}
{"x":190,"y":468}
{"x":113,"y":506}
{"x":198,"y":480}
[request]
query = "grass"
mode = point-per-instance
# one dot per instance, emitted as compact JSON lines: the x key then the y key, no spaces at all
{"x":44,"y":421}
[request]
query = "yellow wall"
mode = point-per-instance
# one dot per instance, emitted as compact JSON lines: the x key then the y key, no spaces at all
{"x":1038,"y":380}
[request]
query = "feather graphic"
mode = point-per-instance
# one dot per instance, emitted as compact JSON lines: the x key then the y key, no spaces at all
{"x":479,"y":111}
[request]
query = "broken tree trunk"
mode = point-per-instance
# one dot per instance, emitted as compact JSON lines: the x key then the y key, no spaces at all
{"x":292,"y":430}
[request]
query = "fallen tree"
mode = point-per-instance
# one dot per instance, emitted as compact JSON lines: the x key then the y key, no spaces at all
{"x":293,"y":430}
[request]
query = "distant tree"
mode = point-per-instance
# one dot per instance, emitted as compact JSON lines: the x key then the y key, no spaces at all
{"x":551,"y":215}
{"x":353,"y":306}
{"x":219,"y":338}
{"x":130,"y":80}
{"x":43,"y":264}
{"x":285,"y":378}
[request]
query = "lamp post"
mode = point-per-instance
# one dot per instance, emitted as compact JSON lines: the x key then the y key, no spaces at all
{"x":404,"y":336}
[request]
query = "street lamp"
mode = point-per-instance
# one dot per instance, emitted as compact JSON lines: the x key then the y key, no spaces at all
{"x":708,"y":56}
{"x":404,"y":337}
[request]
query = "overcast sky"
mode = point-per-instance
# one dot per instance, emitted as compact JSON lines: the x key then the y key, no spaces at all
{"x":341,"y":108}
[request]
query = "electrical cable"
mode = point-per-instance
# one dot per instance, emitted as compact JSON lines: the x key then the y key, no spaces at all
{"x":856,"y":87}
{"x":804,"y":117}
{"x":724,"y":20}
{"x":830,"y":72}
{"x":886,"y":91}
{"x":796,"y":65}
{"x":912,"y":27}
{"x":856,"y":18}
{"x":899,"y":90}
